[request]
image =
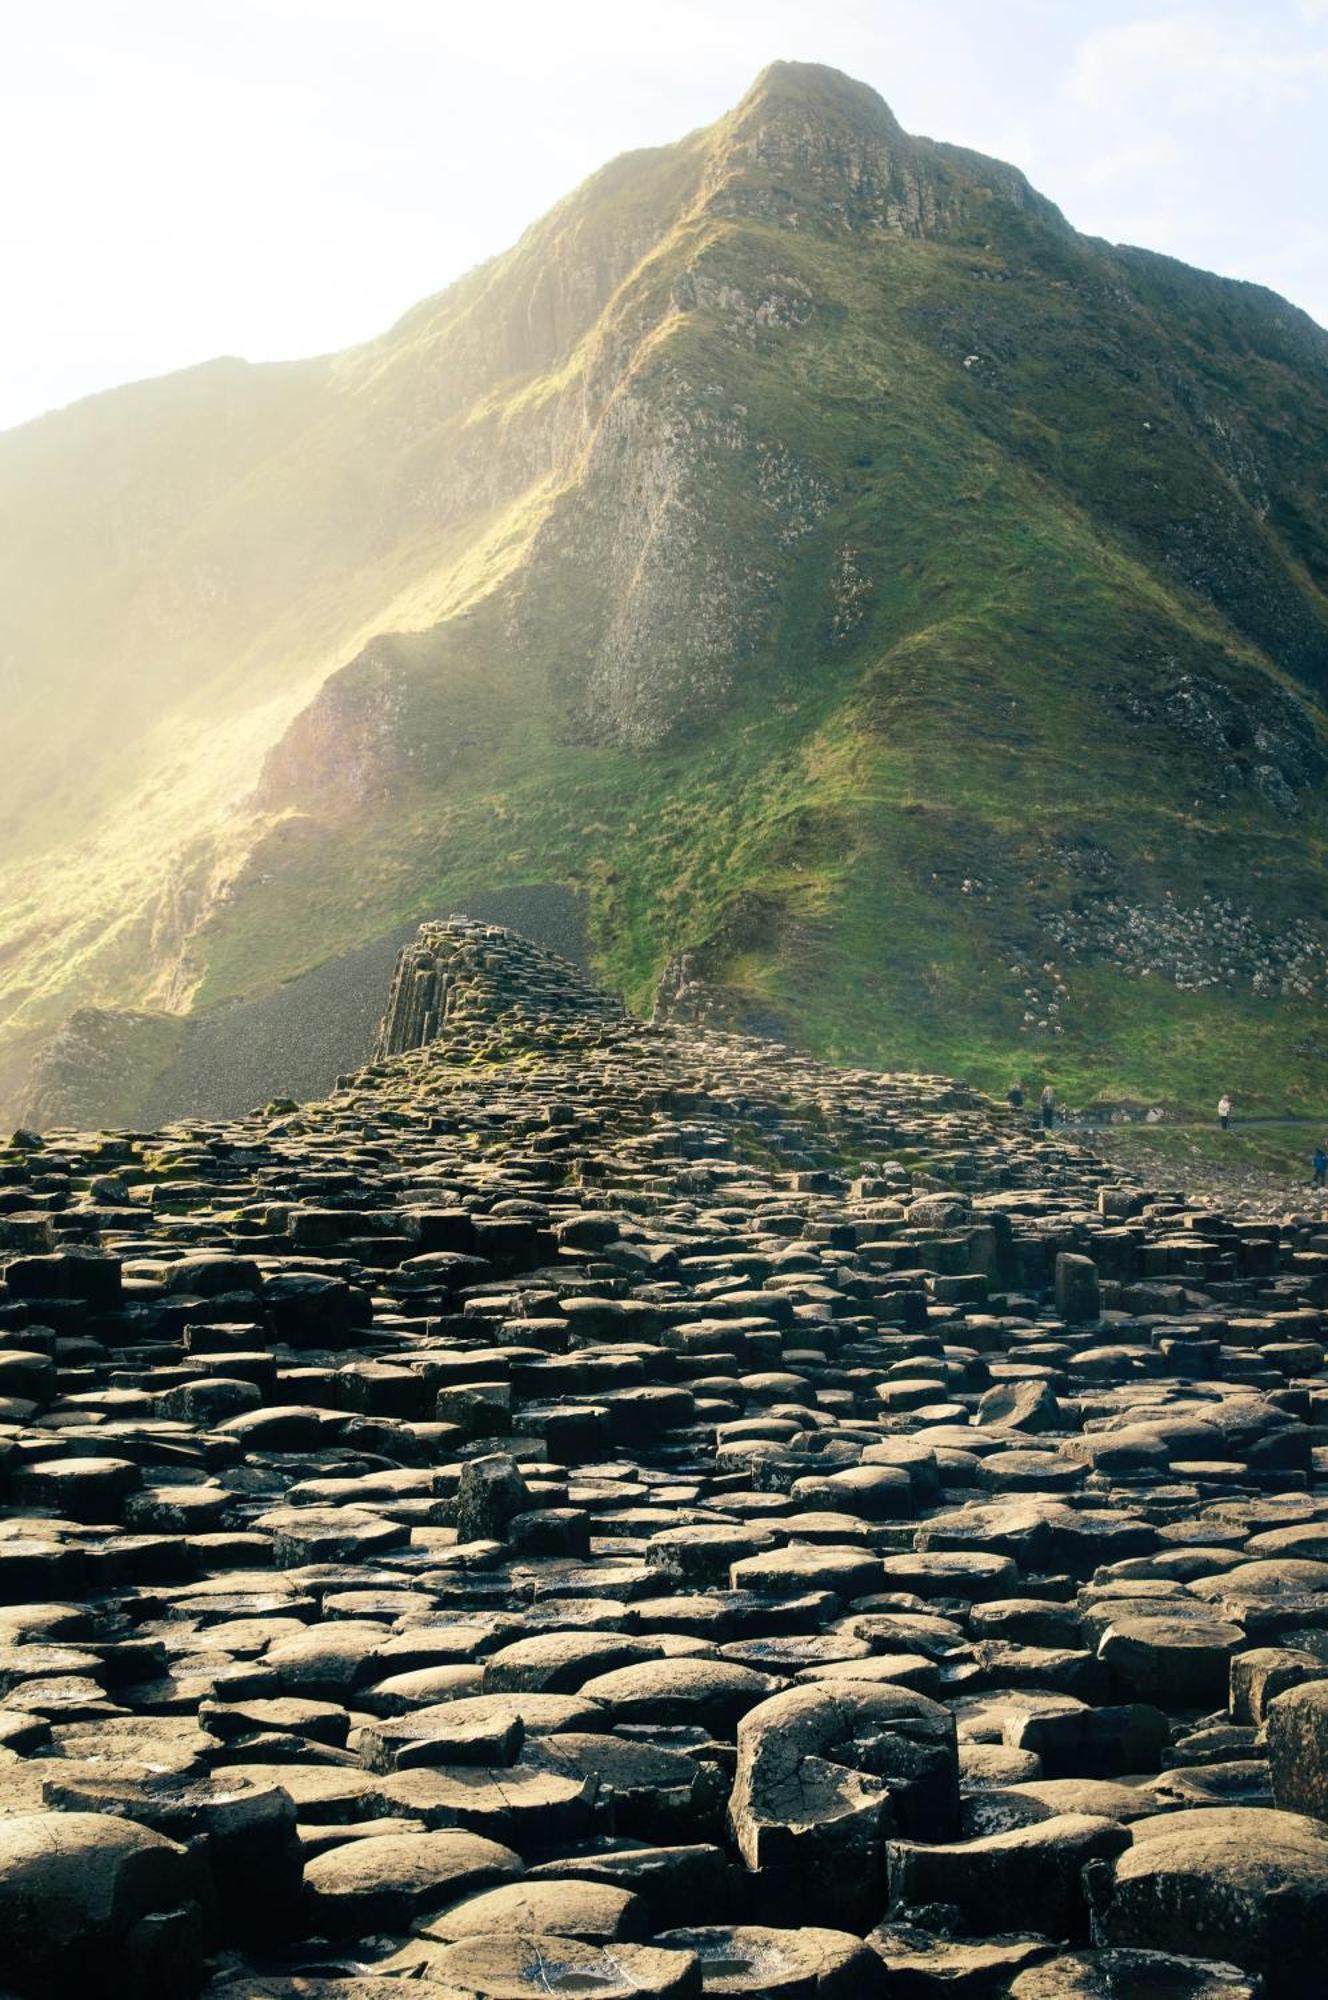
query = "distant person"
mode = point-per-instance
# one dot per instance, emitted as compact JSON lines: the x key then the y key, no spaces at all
{"x":1224,"y":1111}
{"x":1048,"y":1106}
{"x":1320,"y":1166}
{"x":1014,"y":1097}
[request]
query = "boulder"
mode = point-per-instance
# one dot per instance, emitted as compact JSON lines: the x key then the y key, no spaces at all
{"x":388,"y":1881}
{"x":96,"y":1906}
{"x":1132,"y":1975}
{"x":1031,"y":1873}
{"x":591,"y":1911}
{"x":1244,"y":1886}
{"x":1078,"y":1294}
{"x":523,"y":1967}
{"x":1296,"y":1736}
{"x":759,"y":1962}
{"x":490,"y":1494}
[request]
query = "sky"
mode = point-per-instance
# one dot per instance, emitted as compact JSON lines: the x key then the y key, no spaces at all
{"x":273,"y":178}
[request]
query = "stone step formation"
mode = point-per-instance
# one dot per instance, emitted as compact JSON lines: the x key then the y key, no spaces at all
{"x":603,"y":1509}
{"x":462,"y":971}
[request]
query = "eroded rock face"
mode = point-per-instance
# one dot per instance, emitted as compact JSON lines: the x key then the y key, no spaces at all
{"x":466,"y":972}
{"x":537,"y":1516}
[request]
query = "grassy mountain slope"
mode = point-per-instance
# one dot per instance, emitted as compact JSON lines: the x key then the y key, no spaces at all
{"x":903,"y":617}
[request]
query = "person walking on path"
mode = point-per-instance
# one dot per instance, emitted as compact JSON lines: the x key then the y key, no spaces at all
{"x":1320,"y":1166}
{"x":1014,"y":1097}
{"x":1048,"y":1107}
{"x":1224,"y":1111}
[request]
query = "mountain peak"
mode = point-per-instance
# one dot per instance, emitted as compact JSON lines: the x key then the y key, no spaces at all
{"x":810,"y":148}
{"x":815,"y":90}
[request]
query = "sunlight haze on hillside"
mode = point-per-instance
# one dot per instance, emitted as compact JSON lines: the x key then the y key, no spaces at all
{"x":273,"y":178}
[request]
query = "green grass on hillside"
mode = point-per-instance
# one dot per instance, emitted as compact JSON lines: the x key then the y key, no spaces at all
{"x":1281,"y":1148}
{"x":1068,"y":481}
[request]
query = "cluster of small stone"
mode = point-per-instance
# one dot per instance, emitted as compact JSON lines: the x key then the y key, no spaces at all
{"x":793,"y":491}
{"x":601,"y":1509}
{"x":1197,"y":945}
{"x":851,"y":591}
{"x":783,"y":301}
{"x":1044,"y":1001}
{"x":1265,"y":742}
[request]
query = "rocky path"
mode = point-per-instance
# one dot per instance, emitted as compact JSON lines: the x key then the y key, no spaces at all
{"x":1260,"y":1169}
{"x":602,"y":1510}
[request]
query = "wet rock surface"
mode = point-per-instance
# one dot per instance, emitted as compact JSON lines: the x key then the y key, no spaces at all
{"x":595,"y":1508}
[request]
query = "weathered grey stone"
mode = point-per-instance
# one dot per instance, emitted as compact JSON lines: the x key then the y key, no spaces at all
{"x":828,"y":1555}
{"x":1036,"y":1868}
{"x":385,"y":1883}
{"x":491,"y":1493}
{"x":823,"y":1772}
{"x":1243,"y":1886}
{"x":1296,"y":1732}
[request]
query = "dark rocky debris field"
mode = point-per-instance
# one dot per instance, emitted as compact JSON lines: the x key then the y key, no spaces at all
{"x":609,"y":1510}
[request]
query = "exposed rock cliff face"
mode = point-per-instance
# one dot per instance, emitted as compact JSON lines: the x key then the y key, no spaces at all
{"x":460,"y":972}
{"x":643,"y":555}
{"x":809,"y":149}
{"x":802,"y":513}
{"x":345,"y":751}
{"x":99,"y":1068}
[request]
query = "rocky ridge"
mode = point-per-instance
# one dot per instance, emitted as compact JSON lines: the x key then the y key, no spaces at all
{"x":597,"y":1508}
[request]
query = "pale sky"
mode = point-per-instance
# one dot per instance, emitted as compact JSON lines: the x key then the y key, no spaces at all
{"x":271,"y":178}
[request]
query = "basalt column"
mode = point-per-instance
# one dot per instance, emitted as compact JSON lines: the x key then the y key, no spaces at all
{"x":480,"y":972}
